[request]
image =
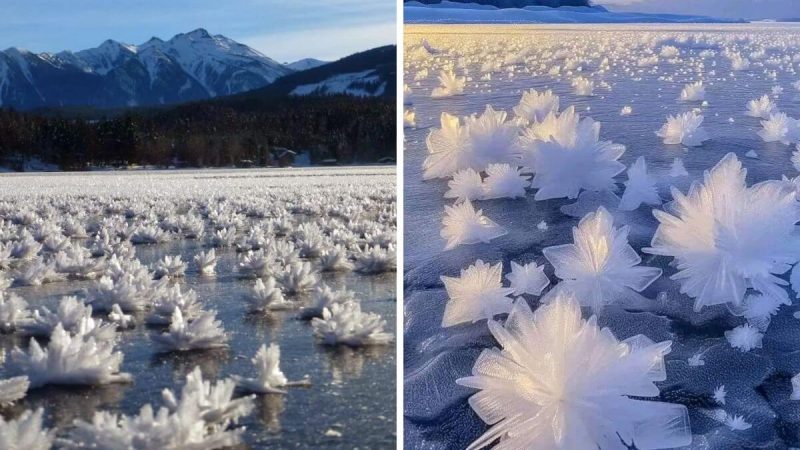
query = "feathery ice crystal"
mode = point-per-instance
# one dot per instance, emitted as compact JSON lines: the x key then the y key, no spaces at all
{"x":206,"y":261}
{"x":464,"y":225}
{"x":504,"y":181}
{"x":477,"y":294}
{"x":345,"y":324}
{"x":780,"y":128}
{"x":640,"y":187}
{"x":67,"y":359}
{"x":466,"y":185}
{"x":268,"y":372}
{"x":727,"y":237}
{"x":204,"y":332}
{"x":480,"y":141}
{"x":560,"y":382}
{"x":600,"y":267}
{"x":693,"y":92}
{"x":26,"y":432}
{"x":527,"y":279}
{"x":566,"y":155}
{"x":450,"y":85}
{"x":267,"y":296}
{"x":763,"y":107}
{"x":535,"y":106}
{"x":684,"y":129}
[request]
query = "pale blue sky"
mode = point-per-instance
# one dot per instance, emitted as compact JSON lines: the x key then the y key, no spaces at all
{"x":740,"y":9}
{"x":285,"y":30}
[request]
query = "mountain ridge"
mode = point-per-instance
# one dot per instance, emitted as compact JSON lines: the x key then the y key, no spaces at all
{"x":189,"y":66}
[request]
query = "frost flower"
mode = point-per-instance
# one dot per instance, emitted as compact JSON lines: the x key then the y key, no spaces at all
{"x":566,"y":155}
{"x":504,"y":181}
{"x":684,"y":129}
{"x":464,"y":225}
{"x":600,"y":267}
{"x":640,"y":187}
{"x":26,"y":432}
{"x":744,"y":337}
{"x":527,"y":279}
{"x":727,"y":237}
{"x":693,"y":92}
{"x":466,"y":185}
{"x":535,"y":106}
{"x":763,"y":107}
{"x":480,"y":141}
{"x":560,"y":382}
{"x":450,"y":85}
{"x":477,"y":294}
{"x":204,"y":332}
{"x":780,"y":128}
{"x":345,"y":324}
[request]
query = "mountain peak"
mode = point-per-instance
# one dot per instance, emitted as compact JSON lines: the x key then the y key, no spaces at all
{"x":199,"y":33}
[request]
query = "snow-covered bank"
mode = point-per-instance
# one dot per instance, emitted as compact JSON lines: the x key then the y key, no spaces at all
{"x":453,"y":13}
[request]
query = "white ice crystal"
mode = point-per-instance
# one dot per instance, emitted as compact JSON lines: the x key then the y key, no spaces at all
{"x":560,"y":382}
{"x":450,"y":85}
{"x":375,"y":259}
{"x":345,"y":324}
{"x":480,"y":141}
{"x":640,"y":187}
{"x":215,"y":401}
{"x":719,"y":394}
{"x":744,"y":337}
{"x":204,"y":332}
{"x":466,"y":184}
{"x":26,"y":432}
{"x":600,"y":267}
{"x":68,"y":359}
{"x":323,"y":298}
{"x":763,"y":107}
{"x":527,"y":279}
{"x":504,"y":181}
{"x":334,"y":259}
{"x":626,"y":111}
{"x":677,"y":169}
{"x":168,"y":299}
{"x":14,"y":312}
{"x":684,"y":129}
{"x":269,"y":377}
{"x":117,"y":316}
{"x":267,"y":296}
{"x":535,"y":106}
{"x":780,"y":128}
{"x":727,"y":237}
{"x":477,"y":294}
{"x":206,"y":262}
{"x":463,"y":225}
{"x":583,"y":86}
{"x":69,"y":313}
{"x":197,"y":421}
{"x":693,"y":92}
{"x":566,"y":155}
{"x":737,"y":422}
{"x":298,"y":277}
{"x":12,"y":389}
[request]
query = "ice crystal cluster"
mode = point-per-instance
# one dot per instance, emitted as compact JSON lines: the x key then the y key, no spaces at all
{"x":728,"y":237}
{"x":134,"y":269}
{"x":578,"y":382}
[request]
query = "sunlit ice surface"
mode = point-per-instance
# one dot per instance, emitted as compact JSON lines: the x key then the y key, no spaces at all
{"x":641,"y":75}
{"x":350,"y":398}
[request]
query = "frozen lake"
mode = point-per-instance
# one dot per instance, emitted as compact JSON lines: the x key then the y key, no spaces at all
{"x":644,"y":67}
{"x":351,"y":400}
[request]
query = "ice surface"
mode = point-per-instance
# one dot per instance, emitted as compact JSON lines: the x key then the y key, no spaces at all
{"x":726,"y":59}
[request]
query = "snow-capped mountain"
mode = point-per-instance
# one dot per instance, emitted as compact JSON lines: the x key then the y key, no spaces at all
{"x":371,"y":73}
{"x":305,"y":64}
{"x":190,"y":66}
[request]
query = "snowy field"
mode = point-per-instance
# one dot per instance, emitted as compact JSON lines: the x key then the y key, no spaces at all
{"x":553,"y":154}
{"x":198,"y":309}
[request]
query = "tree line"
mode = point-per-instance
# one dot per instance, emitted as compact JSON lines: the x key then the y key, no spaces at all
{"x":205,"y":134}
